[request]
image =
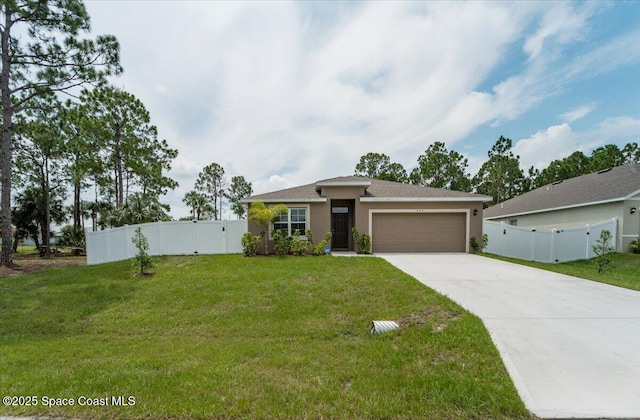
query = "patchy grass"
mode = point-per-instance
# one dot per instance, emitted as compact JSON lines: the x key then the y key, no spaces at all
{"x":623,"y":271}
{"x":234,"y":337}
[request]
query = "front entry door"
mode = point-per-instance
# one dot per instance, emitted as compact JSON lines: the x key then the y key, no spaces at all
{"x":340,"y":230}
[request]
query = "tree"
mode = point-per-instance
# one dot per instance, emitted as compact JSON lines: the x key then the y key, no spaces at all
{"x":264,"y":215}
{"x":139,"y":208}
{"x":121,"y":125}
{"x":441,"y":168}
{"x":82,"y":156}
{"x":211,"y":183}
{"x":39,"y":152}
{"x":42,"y":51}
{"x":238,"y":190}
{"x":605,"y":157}
{"x":573,"y":165}
{"x":603,"y":249}
{"x":142,"y":258}
{"x":379,"y":166}
{"x":500,"y":176}
{"x":200,"y":207}
{"x":631,"y":153}
{"x":29,"y":215}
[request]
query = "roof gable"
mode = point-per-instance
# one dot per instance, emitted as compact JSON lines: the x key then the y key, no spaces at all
{"x":615,"y":184}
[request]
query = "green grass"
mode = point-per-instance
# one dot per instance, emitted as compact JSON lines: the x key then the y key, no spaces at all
{"x":623,"y":271}
{"x":234,"y":337}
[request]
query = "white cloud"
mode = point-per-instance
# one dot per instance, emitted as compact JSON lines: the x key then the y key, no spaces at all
{"x":284,"y":93}
{"x":556,"y":142}
{"x":577,"y":113}
{"x":559,"y":141}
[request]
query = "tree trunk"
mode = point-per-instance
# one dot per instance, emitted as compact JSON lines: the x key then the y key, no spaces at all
{"x":47,"y":211}
{"x":77,"y":207}
{"x":5,"y":154}
{"x":118,"y":171}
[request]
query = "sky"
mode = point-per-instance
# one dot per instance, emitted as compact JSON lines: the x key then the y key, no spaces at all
{"x":288,"y":93}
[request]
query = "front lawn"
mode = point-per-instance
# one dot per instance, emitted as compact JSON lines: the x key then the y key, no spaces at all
{"x":234,"y":337}
{"x":623,"y":271}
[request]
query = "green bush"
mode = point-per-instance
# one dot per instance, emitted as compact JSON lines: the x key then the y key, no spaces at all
{"x":473,"y":243}
{"x":318,"y":250}
{"x":250,"y":244}
{"x":485,"y":241}
{"x":602,"y":249}
{"x":281,"y":243}
{"x":634,"y":247}
{"x":300,"y":246}
{"x":72,"y":237}
{"x":362,"y":241}
{"x":142,"y":258}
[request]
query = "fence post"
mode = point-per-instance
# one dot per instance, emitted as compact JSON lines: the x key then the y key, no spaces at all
{"x":554,"y":245}
{"x":533,"y":244}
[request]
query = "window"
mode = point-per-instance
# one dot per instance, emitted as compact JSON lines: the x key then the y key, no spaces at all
{"x":296,"y":218}
{"x":513,"y":222}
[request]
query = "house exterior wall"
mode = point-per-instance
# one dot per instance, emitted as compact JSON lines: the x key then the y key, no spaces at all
{"x":580,"y":216}
{"x":319,"y":213}
{"x":631,"y":230}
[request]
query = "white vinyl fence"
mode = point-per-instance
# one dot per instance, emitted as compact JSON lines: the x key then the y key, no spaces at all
{"x":555,"y":245}
{"x":167,"y":238}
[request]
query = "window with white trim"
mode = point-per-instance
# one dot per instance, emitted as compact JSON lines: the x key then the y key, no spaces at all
{"x":295,"y":218}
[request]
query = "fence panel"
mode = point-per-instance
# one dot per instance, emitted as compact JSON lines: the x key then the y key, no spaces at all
{"x":555,"y":245}
{"x":571,"y":244}
{"x":167,"y":238}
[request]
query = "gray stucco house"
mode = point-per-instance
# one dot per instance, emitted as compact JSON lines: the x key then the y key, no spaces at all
{"x":587,"y":199}
{"x":398,"y":217}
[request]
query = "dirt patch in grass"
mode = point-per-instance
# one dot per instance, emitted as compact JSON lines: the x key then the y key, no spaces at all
{"x":32,"y":263}
{"x":437,"y":319}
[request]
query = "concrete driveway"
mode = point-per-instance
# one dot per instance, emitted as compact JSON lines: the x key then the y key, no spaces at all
{"x":571,"y":346}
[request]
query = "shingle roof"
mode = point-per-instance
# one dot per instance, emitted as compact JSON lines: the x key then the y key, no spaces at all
{"x":609,"y":185}
{"x":375,"y":189}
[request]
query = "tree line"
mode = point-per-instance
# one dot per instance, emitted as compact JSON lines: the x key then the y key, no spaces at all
{"x":500,"y":176}
{"x":99,"y":141}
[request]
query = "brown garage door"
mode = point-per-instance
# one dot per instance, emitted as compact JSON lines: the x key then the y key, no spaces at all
{"x":419,"y":232}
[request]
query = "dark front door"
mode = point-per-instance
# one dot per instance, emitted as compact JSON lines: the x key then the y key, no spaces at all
{"x":340,"y":223}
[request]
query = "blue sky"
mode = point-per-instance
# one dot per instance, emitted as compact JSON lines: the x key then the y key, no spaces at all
{"x":287,"y":93}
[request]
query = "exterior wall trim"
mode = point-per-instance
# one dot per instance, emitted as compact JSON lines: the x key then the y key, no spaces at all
{"x":466,"y":211}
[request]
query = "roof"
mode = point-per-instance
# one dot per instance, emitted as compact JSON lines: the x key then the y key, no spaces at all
{"x":375,"y":190}
{"x":609,"y":185}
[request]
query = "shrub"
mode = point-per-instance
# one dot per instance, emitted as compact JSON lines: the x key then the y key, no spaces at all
{"x":142,"y":259}
{"x":72,"y":237}
{"x":281,"y":243}
{"x":485,"y":241}
{"x":635,"y":246}
{"x":250,"y":244}
{"x":474,"y":244}
{"x":320,"y":246}
{"x":300,"y":246}
{"x":602,"y":249}
{"x":363,"y":241}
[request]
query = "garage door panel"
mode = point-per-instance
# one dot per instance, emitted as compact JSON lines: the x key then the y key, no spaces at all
{"x":419,"y":232}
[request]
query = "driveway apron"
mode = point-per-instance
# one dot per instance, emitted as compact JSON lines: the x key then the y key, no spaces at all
{"x":571,"y":346}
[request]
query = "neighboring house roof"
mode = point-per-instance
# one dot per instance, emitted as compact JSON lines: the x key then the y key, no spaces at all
{"x":609,"y":185}
{"x":375,"y":190}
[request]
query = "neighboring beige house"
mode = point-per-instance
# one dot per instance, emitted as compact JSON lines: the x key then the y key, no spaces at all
{"x":398,"y":217}
{"x":587,"y":199}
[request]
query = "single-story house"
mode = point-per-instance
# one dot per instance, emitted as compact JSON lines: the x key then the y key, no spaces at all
{"x":398,"y":217}
{"x":587,"y":199}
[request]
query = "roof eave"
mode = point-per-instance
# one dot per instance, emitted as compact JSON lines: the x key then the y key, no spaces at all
{"x":481,"y":199}
{"x":523,"y":213}
{"x":284,"y":200}
{"x":343,"y":184}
